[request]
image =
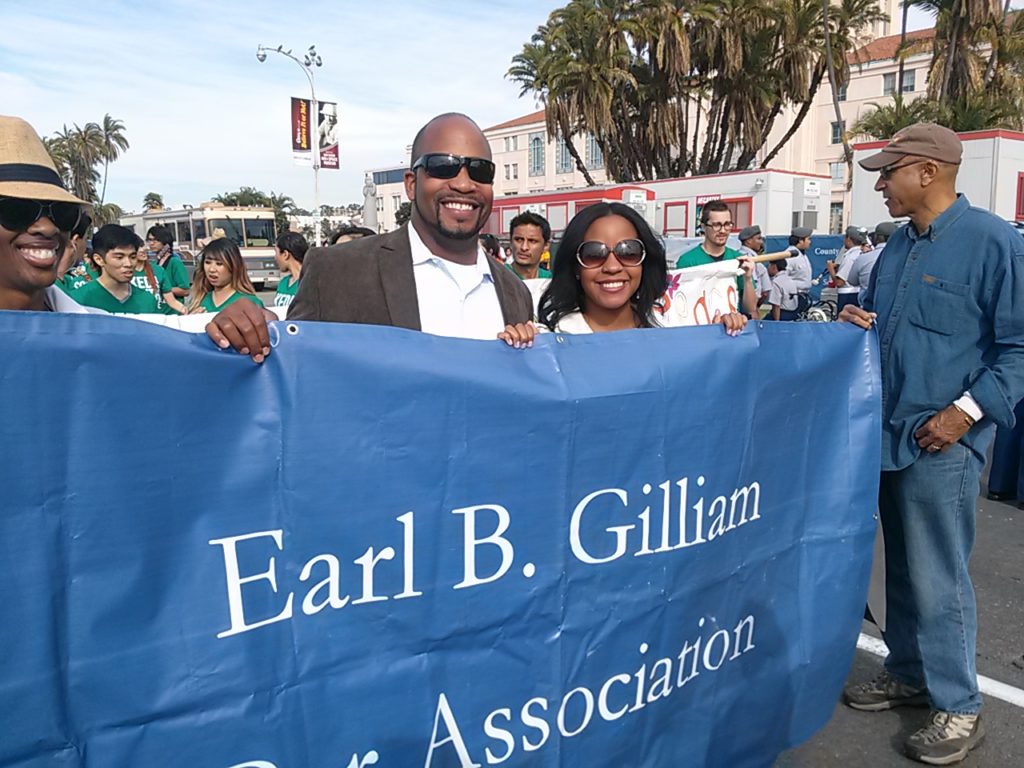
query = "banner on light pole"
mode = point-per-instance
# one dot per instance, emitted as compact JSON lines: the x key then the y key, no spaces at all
{"x":327,"y":133}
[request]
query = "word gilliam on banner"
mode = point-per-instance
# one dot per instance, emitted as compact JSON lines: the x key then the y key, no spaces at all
{"x":668,"y":531}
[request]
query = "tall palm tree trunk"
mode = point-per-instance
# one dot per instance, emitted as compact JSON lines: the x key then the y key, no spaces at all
{"x":847,"y":152}
{"x":903,"y":42}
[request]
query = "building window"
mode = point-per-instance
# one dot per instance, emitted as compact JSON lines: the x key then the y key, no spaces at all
{"x":511,"y":143}
{"x":841,"y":92}
{"x":563,"y":158}
{"x":536,"y":154}
{"x":594,"y":157}
{"x":889,"y":84}
{"x":909,"y":81}
{"x":515,"y":170}
{"x":835,"y":218}
{"x":838,"y":128}
{"x":396,"y":202}
{"x":380,"y":205}
{"x":508,"y":172}
{"x":838,"y":171}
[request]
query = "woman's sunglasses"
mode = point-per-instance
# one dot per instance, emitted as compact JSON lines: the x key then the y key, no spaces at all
{"x":442,"y":166}
{"x":593,"y":254}
{"x":18,"y":214}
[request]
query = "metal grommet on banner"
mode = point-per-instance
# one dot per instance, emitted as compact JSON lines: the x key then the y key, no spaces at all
{"x":560,"y":339}
{"x":292,"y":329}
{"x":273,"y":334}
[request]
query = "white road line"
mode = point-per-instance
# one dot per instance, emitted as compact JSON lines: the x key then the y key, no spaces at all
{"x":987,"y":685}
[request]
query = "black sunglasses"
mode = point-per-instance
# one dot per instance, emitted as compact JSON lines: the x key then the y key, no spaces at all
{"x":442,"y":166}
{"x":18,"y":214}
{"x":593,"y":254}
{"x":886,"y":173}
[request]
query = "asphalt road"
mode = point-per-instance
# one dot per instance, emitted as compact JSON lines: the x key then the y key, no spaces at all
{"x":875,"y":739}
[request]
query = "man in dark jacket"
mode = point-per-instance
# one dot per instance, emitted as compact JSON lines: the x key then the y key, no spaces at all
{"x":430,"y":275}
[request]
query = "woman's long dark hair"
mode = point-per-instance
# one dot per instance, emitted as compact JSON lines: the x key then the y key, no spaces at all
{"x":565,"y":294}
{"x":165,"y":237}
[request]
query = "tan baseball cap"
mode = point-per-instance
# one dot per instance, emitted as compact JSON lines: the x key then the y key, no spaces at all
{"x":921,"y":140}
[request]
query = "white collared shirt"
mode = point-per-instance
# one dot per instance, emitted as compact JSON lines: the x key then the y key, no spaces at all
{"x":455,"y":299}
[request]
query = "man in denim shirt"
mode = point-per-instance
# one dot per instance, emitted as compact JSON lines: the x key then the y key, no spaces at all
{"x":952,"y":355}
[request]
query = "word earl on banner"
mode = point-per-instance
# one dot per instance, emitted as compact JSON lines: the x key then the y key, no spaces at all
{"x":388,"y":548}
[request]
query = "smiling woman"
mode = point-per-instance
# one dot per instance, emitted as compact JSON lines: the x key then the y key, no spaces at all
{"x":36,"y":215}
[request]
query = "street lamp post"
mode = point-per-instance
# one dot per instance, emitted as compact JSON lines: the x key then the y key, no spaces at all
{"x":309,"y":61}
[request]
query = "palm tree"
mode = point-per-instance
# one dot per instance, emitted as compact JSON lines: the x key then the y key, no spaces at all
{"x":283,"y":206}
{"x":884,"y":120}
{"x":153,"y":202}
{"x":114,"y":143}
{"x":106,"y":213}
{"x":961,"y":28}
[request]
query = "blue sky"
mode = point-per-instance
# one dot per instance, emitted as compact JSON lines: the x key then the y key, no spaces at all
{"x":203,"y":116}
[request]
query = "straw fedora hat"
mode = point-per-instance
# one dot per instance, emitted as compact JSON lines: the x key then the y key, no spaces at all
{"x":26,"y":170}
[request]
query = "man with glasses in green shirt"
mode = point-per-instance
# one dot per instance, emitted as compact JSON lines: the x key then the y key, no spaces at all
{"x":716,"y":221}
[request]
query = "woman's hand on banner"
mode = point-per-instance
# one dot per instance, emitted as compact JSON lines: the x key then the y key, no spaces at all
{"x":242,"y":326}
{"x":520,"y":335}
{"x":734,"y":322}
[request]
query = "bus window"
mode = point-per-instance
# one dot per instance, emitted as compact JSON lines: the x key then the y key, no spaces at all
{"x":184,"y":233}
{"x":232,"y":230}
{"x":200,"y":227}
{"x":259,"y":233}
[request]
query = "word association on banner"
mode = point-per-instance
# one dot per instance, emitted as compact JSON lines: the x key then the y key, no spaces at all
{"x":326,"y":132}
{"x":685,"y":526}
{"x":671,"y":529}
{"x":621,"y":694}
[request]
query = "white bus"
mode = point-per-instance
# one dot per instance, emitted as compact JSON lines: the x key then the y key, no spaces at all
{"x":252,"y":229}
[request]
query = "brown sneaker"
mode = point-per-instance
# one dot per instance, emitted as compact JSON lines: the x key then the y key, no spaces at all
{"x":884,"y":692}
{"x":946,"y":739}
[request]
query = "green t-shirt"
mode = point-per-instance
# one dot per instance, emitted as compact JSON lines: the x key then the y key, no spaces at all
{"x":698,"y":256}
{"x":76,"y":277}
{"x":286,"y":291}
{"x":207,"y":304}
{"x":176,"y":272}
{"x":541,"y":272}
{"x":163,"y":283}
{"x":95,"y":295}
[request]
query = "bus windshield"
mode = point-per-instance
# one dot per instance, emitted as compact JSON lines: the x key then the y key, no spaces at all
{"x":232,"y":230}
{"x":259,"y":233}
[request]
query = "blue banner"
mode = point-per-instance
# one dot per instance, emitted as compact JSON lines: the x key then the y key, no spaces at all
{"x":643,"y":548}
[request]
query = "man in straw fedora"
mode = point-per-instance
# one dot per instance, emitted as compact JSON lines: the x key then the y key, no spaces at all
{"x":37,"y":215}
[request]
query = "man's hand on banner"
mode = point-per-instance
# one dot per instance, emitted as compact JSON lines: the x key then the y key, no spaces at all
{"x":747,"y":265}
{"x":519,"y":336}
{"x":242,"y":326}
{"x":857,"y":316}
{"x":734,"y":322}
{"x":943,"y":429}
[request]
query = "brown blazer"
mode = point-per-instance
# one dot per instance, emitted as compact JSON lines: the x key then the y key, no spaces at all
{"x":370,"y":280}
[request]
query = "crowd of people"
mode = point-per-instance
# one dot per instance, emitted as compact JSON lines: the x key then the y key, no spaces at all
{"x":951,"y":342}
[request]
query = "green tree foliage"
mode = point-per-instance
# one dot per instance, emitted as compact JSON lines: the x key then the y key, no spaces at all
{"x":976,"y":77}
{"x":79,"y":151}
{"x":153,"y":202}
{"x":404,"y":213}
{"x":676,"y":87}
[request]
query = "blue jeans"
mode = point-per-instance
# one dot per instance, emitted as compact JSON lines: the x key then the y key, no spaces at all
{"x":928,"y":515}
{"x":1006,"y":475}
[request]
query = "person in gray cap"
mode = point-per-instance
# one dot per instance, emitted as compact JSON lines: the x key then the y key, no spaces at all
{"x":951,"y":345}
{"x":798,"y":266}
{"x":752,"y":244}
{"x":855,"y":243}
{"x":857,"y":272}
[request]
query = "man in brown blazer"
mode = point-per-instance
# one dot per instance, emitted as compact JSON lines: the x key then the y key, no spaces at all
{"x":429,"y":275}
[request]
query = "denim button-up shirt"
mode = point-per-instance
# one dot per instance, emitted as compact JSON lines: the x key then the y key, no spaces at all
{"x":947,"y":324}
